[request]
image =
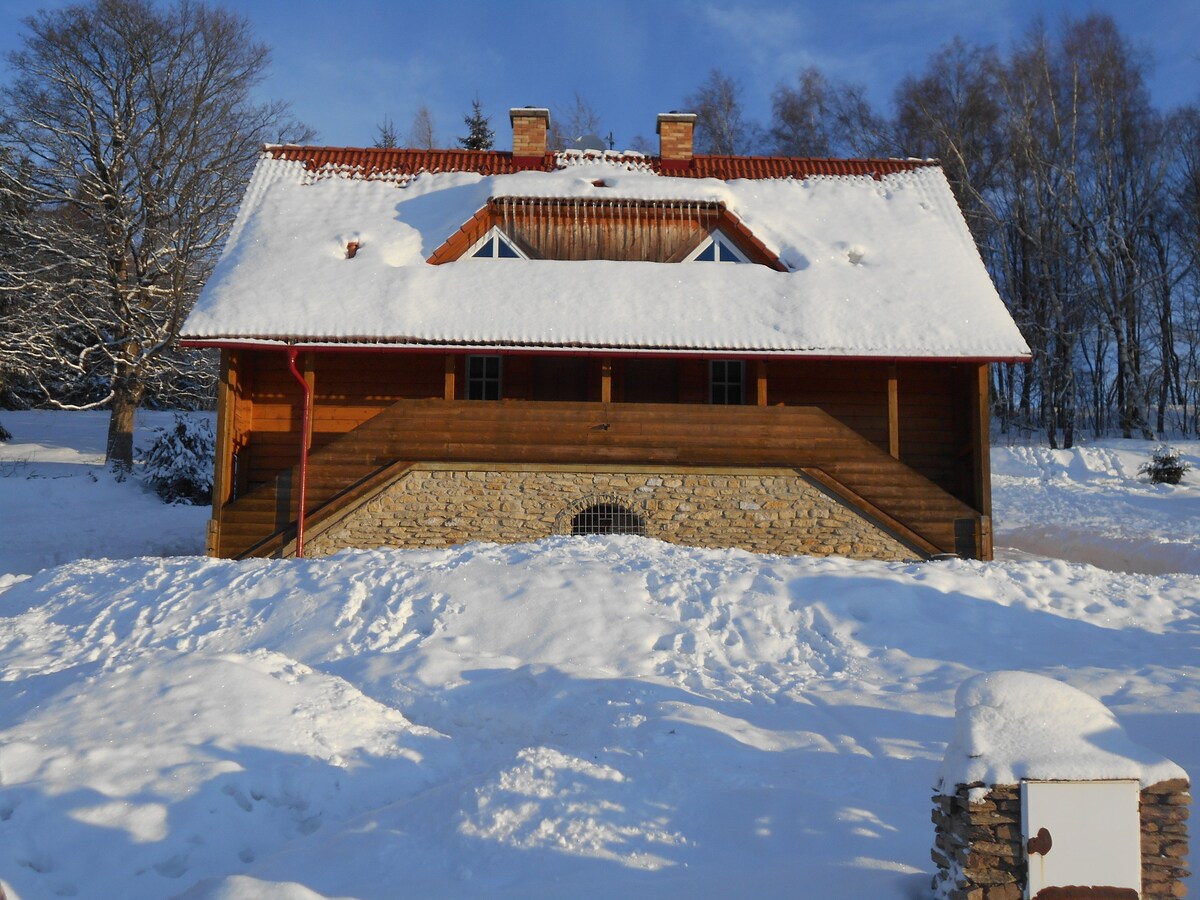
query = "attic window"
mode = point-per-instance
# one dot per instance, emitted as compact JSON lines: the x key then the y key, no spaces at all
{"x":717,"y":248}
{"x":495,"y":245}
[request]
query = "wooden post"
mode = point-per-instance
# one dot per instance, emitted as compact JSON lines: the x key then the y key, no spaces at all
{"x":606,"y":380}
{"x":760,"y":371}
{"x":893,"y":388}
{"x":981,"y":426}
{"x":223,"y":464}
{"x":310,"y":378}
{"x":449,"y":368}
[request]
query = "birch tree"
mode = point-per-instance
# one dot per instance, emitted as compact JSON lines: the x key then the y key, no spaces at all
{"x":721,"y":126}
{"x":130,"y":131}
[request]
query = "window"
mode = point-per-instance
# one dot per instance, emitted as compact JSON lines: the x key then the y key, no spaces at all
{"x":483,"y":377}
{"x":717,"y":248}
{"x":494,"y":245}
{"x":726,"y":381}
{"x":607,"y":518}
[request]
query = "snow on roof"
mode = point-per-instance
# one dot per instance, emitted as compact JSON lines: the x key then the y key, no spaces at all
{"x":1010,"y":726}
{"x":877,"y":267}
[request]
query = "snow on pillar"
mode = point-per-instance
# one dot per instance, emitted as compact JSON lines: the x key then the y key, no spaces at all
{"x":1042,"y":792}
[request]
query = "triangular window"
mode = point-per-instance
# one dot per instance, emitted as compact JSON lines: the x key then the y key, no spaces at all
{"x":717,"y":248}
{"x":494,"y":245}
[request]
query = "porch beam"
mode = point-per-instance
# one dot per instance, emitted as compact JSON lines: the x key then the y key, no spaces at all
{"x":223,"y":466}
{"x":981,"y":425}
{"x":308,"y":362}
{"x":449,"y":368}
{"x":893,"y":392}
{"x":606,"y":380}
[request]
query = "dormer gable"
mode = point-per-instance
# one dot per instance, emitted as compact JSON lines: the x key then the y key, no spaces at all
{"x":495,"y":244}
{"x":717,"y":247}
{"x":575,"y":228}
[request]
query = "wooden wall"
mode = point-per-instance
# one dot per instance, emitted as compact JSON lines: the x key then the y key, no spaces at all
{"x":933,"y":411}
{"x":853,"y":392}
{"x":348,"y":389}
{"x":584,"y":230}
{"x":935,"y":425}
{"x":933,"y":417}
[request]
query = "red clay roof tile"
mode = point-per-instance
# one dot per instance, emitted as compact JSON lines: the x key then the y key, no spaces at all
{"x":372,"y":162}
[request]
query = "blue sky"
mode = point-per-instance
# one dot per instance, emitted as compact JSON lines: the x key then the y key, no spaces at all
{"x":344,"y":66}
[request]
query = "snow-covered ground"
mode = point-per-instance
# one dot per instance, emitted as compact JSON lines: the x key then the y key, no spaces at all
{"x":574,"y":718}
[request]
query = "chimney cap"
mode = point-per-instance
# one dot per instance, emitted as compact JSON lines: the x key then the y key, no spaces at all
{"x":528,"y":112}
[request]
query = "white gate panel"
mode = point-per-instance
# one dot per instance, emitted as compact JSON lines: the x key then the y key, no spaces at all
{"x":1083,"y":833}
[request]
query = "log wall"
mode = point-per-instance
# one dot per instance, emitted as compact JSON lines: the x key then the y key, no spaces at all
{"x":922,"y":414}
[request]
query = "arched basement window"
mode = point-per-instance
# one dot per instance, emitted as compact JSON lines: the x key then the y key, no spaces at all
{"x":607,"y":518}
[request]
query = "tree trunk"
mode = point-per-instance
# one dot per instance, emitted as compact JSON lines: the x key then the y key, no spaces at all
{"x":127,"y":397}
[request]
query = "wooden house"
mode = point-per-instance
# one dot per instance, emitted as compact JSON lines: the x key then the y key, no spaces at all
{"x":421,"y":348}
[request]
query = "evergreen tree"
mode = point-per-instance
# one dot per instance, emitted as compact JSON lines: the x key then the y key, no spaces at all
{"x":480,"y":135}
{"x":386,"y":137}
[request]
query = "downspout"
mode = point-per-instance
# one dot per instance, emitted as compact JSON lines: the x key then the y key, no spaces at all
{"x":303,"y":450}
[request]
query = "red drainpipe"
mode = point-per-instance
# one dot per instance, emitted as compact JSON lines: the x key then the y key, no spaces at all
{"x":303,"y":450}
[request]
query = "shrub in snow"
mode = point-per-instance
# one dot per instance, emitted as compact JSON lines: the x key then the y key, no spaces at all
{"x":5,"y":434}
{"x":178,"y":465}
{"x":1165,"y":468}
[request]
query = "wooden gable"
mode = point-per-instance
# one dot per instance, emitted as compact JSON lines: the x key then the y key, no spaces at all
{"x":577,"y":229}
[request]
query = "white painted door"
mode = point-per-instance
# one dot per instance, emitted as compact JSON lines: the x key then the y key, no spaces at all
{"x":1082,"y":834}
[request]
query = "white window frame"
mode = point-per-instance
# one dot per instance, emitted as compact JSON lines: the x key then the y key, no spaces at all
{"x":495,"y":237}
{"x":724,"y":246}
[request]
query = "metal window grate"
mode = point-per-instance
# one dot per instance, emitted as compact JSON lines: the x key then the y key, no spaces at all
{"x":607,"y":518}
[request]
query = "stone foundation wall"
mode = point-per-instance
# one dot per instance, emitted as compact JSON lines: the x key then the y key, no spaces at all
{"x":979,"y":853}
{"x":777,"y":511}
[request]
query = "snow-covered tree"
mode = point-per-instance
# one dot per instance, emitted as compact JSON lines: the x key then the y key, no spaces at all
{"x":479,"y":130}
{"x":179,"y":462}
{"x":129,"y":132}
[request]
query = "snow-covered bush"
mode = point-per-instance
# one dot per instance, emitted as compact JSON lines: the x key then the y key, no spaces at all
{"x":5,"y":434}
{"x":1165,"y":467}
{"x":179,"y":464}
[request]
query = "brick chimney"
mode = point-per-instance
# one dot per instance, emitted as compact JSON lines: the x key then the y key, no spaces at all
{"x":675,"y":139}
{"x":529,"y":125}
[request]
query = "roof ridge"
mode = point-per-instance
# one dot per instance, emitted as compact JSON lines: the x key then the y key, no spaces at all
{"x":404,"y":161}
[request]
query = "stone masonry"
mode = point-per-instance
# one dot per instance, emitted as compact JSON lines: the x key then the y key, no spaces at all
{"x":979,"y":854}
{"x":766,"y":511}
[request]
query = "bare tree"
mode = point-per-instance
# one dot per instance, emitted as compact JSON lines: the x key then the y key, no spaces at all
{"x":570,"y":123}
{"x":818,"y":117}
{"x":721,"y":128}
{"x":131,"y":131}
{"x":422,"y":133}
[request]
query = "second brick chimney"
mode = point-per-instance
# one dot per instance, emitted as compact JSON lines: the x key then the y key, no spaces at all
{"x":529,"y":125}
{"x":675,"y":130}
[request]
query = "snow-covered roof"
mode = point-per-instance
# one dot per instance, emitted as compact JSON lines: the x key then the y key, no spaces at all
{"x":877,"y":265}
{"x":1010,"y":726}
